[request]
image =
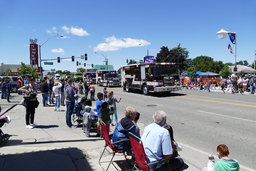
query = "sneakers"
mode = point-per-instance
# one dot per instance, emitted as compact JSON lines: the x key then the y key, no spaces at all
{"x":29,"y":126}
{"x":34,"y":125}
{"x":58,"y":110}
{"x":55,"y":109}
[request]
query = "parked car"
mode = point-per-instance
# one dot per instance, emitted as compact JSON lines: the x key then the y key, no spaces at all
{"x":13,"y":80}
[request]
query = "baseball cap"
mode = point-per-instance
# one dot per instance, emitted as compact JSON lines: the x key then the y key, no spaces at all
{"x":76,"y":96}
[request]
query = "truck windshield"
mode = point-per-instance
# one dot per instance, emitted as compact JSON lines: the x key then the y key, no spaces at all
{"x":166,"y":71}
{"x":111,"y":75}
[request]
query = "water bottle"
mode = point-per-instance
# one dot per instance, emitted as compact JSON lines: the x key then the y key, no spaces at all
{"x":210,"y":163}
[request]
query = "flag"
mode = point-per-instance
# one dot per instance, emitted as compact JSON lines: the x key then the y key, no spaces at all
{"x":230,"y":48}
{"x":232,"y":37}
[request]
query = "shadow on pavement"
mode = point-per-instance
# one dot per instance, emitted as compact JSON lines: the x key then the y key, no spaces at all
{"x":46,"y":126}
{"x":67,"y":159}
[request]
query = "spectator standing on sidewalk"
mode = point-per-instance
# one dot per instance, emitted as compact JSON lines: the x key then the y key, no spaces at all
{"x":30,"y":103}
{"x":105,"y":115}
{"x":98,"y":107}
{"x":112,"y":105}
{"x":62,"y":95}
{"x":251,"y":84}
{"x":19,"y":85}
{"x":8,"y":89}
{"x":50,"y":85}
{"x":56,"y":91}
{"x":70,"y":102}
{"x":44,"y":91}
{"x":86,"y":89}
{"x":161,"y":147}
{"x":105,"y":94}
{"x":3,"y":89}
{"x":92,"y":91}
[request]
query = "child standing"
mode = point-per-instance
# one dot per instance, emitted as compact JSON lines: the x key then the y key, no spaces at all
{"x":112,"y":105}
{"x":105,"y":94}
{"x":105,"y":115}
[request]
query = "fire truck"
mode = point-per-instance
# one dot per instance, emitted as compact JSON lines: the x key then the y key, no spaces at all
{"x":90,"y":76}
{"x":151,"y":77}
{"x":108,"y":78}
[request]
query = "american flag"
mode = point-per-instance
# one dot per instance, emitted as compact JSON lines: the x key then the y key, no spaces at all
{"x":230,"y":48}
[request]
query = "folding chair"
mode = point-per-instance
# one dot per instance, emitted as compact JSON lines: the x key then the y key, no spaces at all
{"x":140,"y":156}
{"x":109,"y":144}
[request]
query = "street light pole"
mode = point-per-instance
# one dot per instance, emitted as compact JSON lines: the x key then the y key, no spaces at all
{"x":222,"y":34}
{"x":106,"y":59}
{"x":40,"y":56}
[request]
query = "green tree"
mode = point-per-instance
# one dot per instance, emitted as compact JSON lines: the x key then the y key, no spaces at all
{"x":177,"y":54}
{"x":58,"y":72}
{"x":132,"y":61}
{"x":225,"y":71}
{"x":201,"y":59}
{"x":80,"y":70}
{"x":66,"y":72}
{"x":8,"y":72}
{"x":27,"y":70}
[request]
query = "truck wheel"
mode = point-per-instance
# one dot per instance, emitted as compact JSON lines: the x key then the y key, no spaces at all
{"x":127,"y":87}
{"x":145,"y":90}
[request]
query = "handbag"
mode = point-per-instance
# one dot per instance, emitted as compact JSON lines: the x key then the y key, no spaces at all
{"x":24,"y":103}
{"x":36,"y":103}
{"x":53,"y":95}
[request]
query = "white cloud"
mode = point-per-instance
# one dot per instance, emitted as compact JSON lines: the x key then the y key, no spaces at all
{"x":75,"y":31}
{"x":52,"y":30}
{"x":60,"y":50}
{"x":114,"y":44}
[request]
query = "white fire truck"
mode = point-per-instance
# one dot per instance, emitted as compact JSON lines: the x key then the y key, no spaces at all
{"x":108,"y":78}
{"x":90,"y":76}
{"x":151,"y":77}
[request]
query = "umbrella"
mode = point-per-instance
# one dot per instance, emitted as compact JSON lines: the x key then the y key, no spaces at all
{"x":198,"y":72}
{"x":210,"y":74}
{"x":243,"y":69}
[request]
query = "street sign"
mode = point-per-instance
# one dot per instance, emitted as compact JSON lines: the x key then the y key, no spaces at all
{"x":53,"y":70}
{"x":48,"y":63}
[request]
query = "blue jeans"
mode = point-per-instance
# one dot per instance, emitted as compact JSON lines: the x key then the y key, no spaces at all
{"x":57,"y":103}
{"x":70,"y":108}
{"x":252,"y":89}
{"x":45,"y":98}
{"x":51,"y":101}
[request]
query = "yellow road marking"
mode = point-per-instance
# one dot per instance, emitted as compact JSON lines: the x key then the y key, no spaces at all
{"x":218,"y":102}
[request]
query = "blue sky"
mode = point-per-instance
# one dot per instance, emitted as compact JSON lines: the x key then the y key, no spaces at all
{"x":124,"y":29}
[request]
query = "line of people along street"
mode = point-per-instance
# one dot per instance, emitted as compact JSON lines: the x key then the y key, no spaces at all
{"x":233,"y":84}
{"x":159,"y":132}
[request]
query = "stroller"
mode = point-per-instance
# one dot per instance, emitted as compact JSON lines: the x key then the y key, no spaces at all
{"x":90,"y":120}
{"x":3,"y":120}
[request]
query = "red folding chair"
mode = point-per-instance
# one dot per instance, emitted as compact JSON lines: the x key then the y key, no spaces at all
{"x":108,"y":143}
{"x":140,"y":156}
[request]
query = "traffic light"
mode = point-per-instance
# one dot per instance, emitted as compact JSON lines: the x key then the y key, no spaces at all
{"x":85,"y":56}
{"x":58,"y":59}
{"x":77,"y":63}
{"x":92,"y":65}
{"x":85,"y":64}
{"x":72,"y":58}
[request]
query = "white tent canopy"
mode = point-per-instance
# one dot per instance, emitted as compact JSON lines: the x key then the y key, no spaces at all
{"x":243,"y":69}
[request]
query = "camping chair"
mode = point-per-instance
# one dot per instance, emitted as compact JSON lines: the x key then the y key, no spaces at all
{"x":109,"y":144}
{"x":140,"y":156}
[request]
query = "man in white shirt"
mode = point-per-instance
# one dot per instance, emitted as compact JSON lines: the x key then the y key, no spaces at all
{"x":157,"y":143}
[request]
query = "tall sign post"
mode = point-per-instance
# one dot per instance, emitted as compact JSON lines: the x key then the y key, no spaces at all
{"x":33,"y":51}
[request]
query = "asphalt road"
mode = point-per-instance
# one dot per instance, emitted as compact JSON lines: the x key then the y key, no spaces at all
{"x":202,"y":120}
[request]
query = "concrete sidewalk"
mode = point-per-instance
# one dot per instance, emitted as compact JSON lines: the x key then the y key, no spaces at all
{"x":52,"y":145}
